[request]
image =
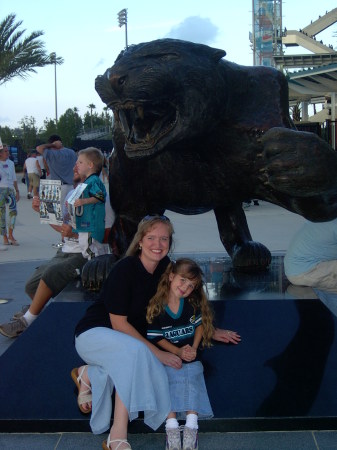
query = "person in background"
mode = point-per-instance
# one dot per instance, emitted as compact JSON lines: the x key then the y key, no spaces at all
{"x":42,"y":163}
{"x":311,"y":257}
{"x":25,"y":178}
{"x":180,"y":319}
{"x":52,"y":277}
{"x":60,"y":161}
{"x":9,"y":194}
{"x":34,"y":172}
{"x":105,"y":169}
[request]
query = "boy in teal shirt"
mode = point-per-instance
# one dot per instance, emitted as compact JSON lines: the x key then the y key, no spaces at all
{"x":90,"y":207}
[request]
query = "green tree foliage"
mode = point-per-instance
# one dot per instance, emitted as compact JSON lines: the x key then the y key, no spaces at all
{"x":92,"y":121}
{"x":7,"y":136}
{"x":28,"y":125}
{"x":296,"y":112}
{"x":19,"y":56}
{"x":107,"y":117}
{"x":91,"y":107}
{"x":49,"y":128}
{"x":69,"y":125}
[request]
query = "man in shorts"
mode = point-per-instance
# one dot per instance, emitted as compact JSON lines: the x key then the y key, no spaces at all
{"x":52,"y":277}
{"x":34,"y":173}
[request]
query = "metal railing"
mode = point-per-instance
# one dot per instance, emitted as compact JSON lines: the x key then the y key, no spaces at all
{"x":94,"y":134}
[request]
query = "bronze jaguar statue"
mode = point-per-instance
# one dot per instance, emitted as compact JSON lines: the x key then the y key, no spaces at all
{"x":194,"y":132}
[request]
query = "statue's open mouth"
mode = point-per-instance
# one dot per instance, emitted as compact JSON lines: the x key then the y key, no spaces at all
{"x":145,"y":124}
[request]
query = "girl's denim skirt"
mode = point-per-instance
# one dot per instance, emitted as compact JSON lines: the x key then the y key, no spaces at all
{"x":188,"y":390}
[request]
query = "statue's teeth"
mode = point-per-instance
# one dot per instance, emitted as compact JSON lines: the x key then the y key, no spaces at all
{"x":140,"y":112}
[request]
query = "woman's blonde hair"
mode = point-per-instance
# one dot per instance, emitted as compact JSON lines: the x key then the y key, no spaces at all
{"x":186,"y":268}
{"x":145,"y":225}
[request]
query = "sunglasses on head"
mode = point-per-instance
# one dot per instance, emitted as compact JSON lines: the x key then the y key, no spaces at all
{"x":155,"y":216}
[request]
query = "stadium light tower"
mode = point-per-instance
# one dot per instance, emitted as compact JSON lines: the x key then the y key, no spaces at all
{"x":53,"y":58}
{"x":123,"y":20}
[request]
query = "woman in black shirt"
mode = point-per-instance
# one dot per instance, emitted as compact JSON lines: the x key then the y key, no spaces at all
{"x":111,"y":339}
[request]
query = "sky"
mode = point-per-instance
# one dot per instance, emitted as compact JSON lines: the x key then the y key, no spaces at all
{"x":87,"y":36}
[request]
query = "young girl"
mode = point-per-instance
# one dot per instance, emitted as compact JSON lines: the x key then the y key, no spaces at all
{"x":180,"y":318}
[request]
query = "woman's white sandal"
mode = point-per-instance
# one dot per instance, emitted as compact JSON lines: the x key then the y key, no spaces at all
{"x":106,"y":445}
{"x":84,"y":396}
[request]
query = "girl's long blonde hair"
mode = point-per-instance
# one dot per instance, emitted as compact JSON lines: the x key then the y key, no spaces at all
{"x":187,"y":268}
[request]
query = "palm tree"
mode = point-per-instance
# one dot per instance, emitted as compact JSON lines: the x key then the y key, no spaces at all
{"x":91,"y":107}
{"x":296,"y":112}
{"x":107,"y":117}
{"x":19,"y":57}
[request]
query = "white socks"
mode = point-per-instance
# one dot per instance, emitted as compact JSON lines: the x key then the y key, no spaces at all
{"x":172,"y":423}
{"x":192,"y":421}
{"x":29,"y":317}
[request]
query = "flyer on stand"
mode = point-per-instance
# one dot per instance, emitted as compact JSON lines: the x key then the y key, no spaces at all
{"x":50,"y":202}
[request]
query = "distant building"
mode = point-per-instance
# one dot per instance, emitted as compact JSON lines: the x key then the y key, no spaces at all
{"x":266,"y":37}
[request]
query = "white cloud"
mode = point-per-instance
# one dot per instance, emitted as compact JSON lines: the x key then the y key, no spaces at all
{"x":195,"y":29}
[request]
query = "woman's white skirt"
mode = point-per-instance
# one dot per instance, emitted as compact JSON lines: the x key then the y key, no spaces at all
{"x":118,"y":360}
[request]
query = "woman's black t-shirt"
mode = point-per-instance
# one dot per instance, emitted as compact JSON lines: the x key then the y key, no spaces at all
{"x":126,"y":292}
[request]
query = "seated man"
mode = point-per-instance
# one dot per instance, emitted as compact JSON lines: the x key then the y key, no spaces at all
{"x":311,"y":258}
{"x":52,"y":277}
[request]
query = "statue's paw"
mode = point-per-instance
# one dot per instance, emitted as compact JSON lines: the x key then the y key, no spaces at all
{"x":251,"y":257}
{"x":297,"y":163}
{"x":95,"y":271}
